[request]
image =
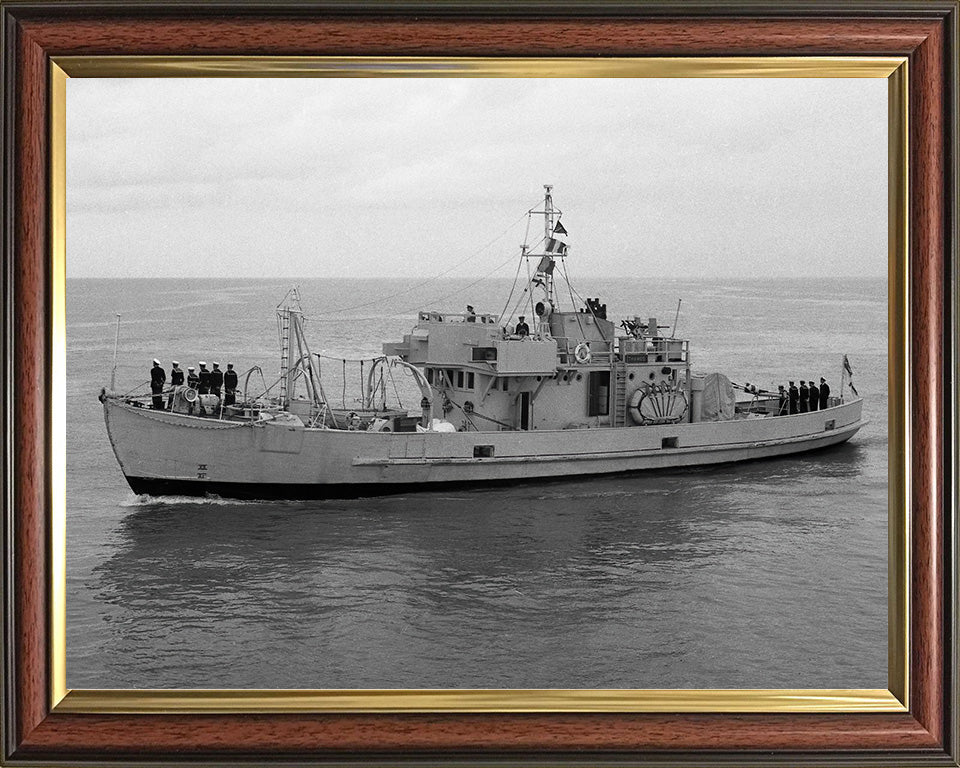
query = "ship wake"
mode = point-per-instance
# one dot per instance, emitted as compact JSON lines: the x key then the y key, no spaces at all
{"x":146,"y":500}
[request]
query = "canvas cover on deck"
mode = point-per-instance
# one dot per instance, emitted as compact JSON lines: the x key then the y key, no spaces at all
{"x":718,"y":401}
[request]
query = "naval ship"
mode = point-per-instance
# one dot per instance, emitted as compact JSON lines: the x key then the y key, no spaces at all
{"x":567,"y":394}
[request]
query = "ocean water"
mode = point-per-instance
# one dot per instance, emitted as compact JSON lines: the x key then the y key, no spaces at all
{"x":767,"y":574}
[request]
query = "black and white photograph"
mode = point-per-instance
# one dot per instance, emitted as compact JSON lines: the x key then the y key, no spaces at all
{"x":467,"y":382}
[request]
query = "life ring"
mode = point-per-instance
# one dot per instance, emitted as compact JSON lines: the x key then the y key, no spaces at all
{"x":633,"y":406}
{"x":190,"y":395}
{"x":582,"y":353}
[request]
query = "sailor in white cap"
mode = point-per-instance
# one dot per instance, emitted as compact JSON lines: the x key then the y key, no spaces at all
{"x":158,"y":378}
{"x":229,"y":385}
{"x":204,"y":388}
{"x":193,"y":381}
{"x":176,"y":379}
{"x":216,"y":379}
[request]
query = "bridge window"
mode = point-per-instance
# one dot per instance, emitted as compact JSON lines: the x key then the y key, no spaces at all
{"x":459,"y":379}
{"x":469,"y":381}
{"x":429,"y":373}
{"x":484,"y":354}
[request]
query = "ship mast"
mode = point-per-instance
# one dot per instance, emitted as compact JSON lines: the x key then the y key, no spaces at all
{"x":545,"y":268}
{"x":547,"y":212}
{"x":290,"y":324}
{"x":542,"y":276}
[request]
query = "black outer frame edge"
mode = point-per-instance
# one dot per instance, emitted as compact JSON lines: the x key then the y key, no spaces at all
{"x":11,"y":11}
{"x":584,"y":759}
{"x":491,"y":8}
{"x":950,"y":347}
{"x":951,"y":470}
{"x":8,"y":34}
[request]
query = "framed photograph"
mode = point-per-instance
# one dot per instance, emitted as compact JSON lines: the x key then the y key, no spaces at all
{"x":565,"y":383}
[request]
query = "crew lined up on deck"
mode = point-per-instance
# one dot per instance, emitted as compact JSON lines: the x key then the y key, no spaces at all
{"x":206,"y":382}
{"x":803,"y":399}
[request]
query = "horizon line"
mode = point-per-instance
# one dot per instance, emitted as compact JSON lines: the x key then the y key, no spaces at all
{"x":465,"y":277}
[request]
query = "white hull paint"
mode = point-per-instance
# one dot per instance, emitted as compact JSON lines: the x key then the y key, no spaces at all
{"x":163,"y":452}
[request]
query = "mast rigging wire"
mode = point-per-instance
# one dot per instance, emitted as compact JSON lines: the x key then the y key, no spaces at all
{"x":461,"y":290}
{"x":460,"y":263}
{"x":513,"y":287}
{"x":589,"y":308}
{"x":524,"y":257}
{"x":573,"y":303}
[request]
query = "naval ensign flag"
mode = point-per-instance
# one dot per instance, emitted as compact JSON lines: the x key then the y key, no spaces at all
{"x":849,"y":370}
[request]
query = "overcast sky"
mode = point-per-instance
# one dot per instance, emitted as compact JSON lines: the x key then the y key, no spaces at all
{"x":377,"y":177}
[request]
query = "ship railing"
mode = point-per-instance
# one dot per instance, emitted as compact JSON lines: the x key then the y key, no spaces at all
{"x":655,"y":349}
{"x":768,"y":404}
{"x":247,"y":407}
{"x":600,"y":351}
{"x":484,"y":318}
{"x":651,"y":350}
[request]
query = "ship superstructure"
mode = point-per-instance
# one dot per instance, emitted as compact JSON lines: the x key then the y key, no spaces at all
{"x":573,"y":369}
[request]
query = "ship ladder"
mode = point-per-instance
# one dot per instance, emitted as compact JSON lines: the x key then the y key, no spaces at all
{"x":284,"y":353}
{"x":619,"y":395}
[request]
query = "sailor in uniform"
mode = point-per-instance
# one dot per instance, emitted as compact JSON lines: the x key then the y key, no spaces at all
{"x":204,"y":386}
{"x":471,"y":315}
{"x":804,"y":397}
{"x":193,"y":381}
{"x":229,"y":385}
{"x":824,"y":393}
{"x":814,"y":396}
{"x":522,"y":328}
{"x":158,"y":378}
{"x":782,"y":406}
{"x":794,"y":398}
{"x":176,"y":379}
{"x":216,"y":380}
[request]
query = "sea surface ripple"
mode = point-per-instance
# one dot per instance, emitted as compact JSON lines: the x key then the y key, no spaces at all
{"x":767,"y":574}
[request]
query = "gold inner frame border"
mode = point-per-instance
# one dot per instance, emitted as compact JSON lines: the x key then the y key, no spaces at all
{"x":210,"y":701}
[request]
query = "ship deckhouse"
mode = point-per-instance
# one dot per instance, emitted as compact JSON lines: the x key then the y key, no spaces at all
{"x":567,"y":369}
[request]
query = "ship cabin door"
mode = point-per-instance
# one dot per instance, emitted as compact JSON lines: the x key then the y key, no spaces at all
{"x":524,"y":410}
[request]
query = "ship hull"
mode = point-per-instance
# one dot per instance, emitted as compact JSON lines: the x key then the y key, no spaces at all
{"x":163,"y":453}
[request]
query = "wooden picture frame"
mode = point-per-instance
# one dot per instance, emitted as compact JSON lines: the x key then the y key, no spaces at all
{"x":40,"y":726}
